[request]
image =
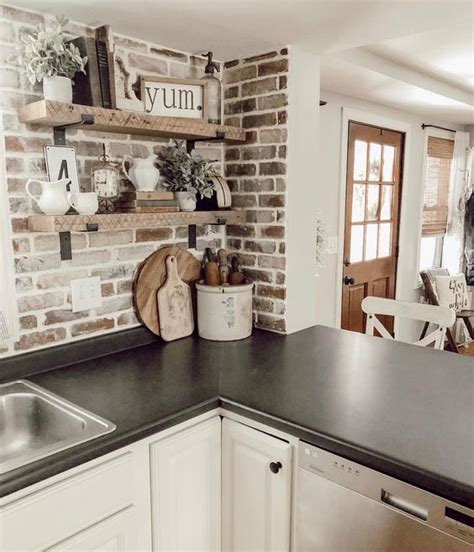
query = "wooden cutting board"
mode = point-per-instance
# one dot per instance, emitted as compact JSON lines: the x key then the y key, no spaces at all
{"x":151,"y":275}
{"x":175,"y":307}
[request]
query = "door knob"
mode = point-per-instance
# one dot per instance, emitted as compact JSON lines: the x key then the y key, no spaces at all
{"x":275,"y":467}
{"x":349,"y":281}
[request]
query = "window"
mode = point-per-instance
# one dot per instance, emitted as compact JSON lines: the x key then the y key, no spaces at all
{"x":439,"y":156}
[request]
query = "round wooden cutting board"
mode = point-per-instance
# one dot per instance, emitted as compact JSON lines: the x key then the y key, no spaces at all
{"x":151,"y":275}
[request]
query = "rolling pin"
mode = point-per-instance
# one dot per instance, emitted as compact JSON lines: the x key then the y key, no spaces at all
{"x":211,"y":274}
{"x":223,"y":267}
{"x":236,"y":277}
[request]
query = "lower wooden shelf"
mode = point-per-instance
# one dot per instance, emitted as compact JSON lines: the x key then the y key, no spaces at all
{"x":121,"y":221}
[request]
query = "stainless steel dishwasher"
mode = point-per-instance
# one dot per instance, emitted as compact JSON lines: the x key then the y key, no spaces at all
{"x":346,"y":507}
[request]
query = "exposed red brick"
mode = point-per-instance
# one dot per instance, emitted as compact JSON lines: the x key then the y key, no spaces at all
{"x":240,"y":106}
{"x":272,"y":262}
{"x":282,"y":117}
{"x":258,"y":152}
{"x":92,"y":326}
{"x":173,"y":54}
{"x":261,"y":120}
{"x":268,"y":200}
{"x":241,"y":230}
{"x":232,"y":63}
{"x":272,"y":102}
{"x":260,"y":216}
{"x":231,"y":92}
{"x":153,"y":234}
{"x":271,"y":291}
{"x":241,"y":74}
{"x":232,"y":154}
{"x":247,"y":169}
{"x":39,"y":339}
{"x":125,"y":286}
{"x":28,"y":322}
{"x":268,"y":247}
{"x":272,"y":67}
{"x":62,"y":315}
{"x":257,"y":185}
{"x":257,"y":87}
{"x":268,"y":322}
{"x":258,"y":275}
{"x":272,"y":231}
{"x":272,"y":168}
{"x":107,"y":289}
{"x":244,"y":201}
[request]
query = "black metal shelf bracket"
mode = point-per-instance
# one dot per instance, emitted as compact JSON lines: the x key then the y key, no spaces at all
{"x":65,"y":248}
{"x":59,"y":132}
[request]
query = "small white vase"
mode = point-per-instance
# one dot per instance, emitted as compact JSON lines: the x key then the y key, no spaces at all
{"x":186,"y":200}
{"x":58,"y":89}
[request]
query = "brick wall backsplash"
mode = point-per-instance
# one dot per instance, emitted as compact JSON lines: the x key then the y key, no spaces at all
{"x":255,"y":97}
{"x":42,"y":280}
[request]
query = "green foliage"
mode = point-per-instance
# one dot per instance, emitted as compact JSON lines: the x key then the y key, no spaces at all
{"x":184,"y":172}
{"x":45,"y":53}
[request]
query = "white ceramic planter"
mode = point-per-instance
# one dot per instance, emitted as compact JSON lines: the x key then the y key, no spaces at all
{"x":224,"y":312}
{"x":186,"y":200}
{"x":58,"y":89}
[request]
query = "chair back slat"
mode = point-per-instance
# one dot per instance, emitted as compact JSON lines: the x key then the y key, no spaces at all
{"x":443,"y":317}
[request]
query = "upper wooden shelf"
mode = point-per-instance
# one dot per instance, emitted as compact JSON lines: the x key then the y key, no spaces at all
{"x":56,"y":114}
{"x":118,"y":221}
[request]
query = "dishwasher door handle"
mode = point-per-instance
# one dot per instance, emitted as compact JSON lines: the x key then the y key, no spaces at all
{"x":404,"y":505}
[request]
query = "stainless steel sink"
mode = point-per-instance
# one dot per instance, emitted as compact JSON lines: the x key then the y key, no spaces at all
{"x":35,"y":423}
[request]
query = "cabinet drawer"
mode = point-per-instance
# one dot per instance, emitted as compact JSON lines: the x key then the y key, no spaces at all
{"x":56,"y":512}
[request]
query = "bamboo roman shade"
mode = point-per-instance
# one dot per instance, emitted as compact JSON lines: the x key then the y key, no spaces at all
{"x":437,"y":177}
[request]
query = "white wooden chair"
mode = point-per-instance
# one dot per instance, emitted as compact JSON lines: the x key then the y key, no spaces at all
{"x":443,"y":317}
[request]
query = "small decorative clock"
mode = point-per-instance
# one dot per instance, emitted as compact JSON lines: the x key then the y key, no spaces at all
{"x":105,"y":179}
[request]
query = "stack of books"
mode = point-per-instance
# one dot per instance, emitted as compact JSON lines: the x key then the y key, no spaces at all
{"x":147,"y":202}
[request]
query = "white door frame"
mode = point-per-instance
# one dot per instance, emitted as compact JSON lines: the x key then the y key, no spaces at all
{"x":364,"y":117}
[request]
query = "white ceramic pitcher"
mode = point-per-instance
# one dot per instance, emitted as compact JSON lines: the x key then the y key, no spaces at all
{"x":53,"y":198}
{"x":142,"y":173}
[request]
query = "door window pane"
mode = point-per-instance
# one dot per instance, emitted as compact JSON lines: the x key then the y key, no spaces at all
{"x":371,"y":242}
{"x":388,"y":160}
{"x":386,"y":203}
{"x":357,"y":242}
{"x":358,"y":202}
{"x":360,"y":160}
{"x":375,"y":153}
{"x":384,"y":239}
{"x":372,"y":201}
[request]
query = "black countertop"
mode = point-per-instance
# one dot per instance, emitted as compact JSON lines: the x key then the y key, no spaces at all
{"x":400,"y":409}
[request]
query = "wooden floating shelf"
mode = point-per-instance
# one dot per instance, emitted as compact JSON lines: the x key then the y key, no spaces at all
{"x":120,"y":221}
{"x":56,"y":114}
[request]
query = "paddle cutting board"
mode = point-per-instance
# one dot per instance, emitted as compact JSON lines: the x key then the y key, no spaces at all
{"x":151,"y":275}
{"x":175,"y":306}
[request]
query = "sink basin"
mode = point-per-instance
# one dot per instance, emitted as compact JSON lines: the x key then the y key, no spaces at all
{"x":35,"y":423}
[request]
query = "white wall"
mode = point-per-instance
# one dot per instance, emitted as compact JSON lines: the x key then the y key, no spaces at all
{"x":327,"y":195}
{"x":303,"y":182}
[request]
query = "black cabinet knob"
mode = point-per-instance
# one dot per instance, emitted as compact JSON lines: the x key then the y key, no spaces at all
{"x":349,"y":281}
{"x":275,"y":467}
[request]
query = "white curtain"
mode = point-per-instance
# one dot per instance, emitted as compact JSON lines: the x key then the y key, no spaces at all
{"x":453,"y":246}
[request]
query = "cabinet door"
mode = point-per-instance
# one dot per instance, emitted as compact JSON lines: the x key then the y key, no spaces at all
{"x":114,"y":534}
{"x":186,"y":489}
{"x":256,"y":501}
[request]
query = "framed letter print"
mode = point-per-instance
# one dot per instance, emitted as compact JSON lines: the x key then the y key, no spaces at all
{"x":168,"y":97}
{"x":61,"y":163}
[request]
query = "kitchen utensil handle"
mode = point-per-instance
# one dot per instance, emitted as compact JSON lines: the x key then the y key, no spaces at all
{"x":171,"y":267}
{"x":29,"y":192}
{"x":124,"y":168}
{"x":222,"y":256}
{"x":404,"y":505}
{"x":235,"y":264}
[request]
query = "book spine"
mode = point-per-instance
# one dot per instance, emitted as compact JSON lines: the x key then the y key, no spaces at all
{"x":103,"y":66}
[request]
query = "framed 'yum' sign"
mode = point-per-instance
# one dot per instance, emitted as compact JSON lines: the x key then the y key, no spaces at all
{"x":168,"y":97}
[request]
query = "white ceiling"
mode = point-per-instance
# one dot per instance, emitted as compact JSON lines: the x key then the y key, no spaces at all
{"x":233,"y":28}
{"x":430,"y":73}
{"x":411,"y":54}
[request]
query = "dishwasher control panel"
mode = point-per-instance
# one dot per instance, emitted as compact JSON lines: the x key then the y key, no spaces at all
{"x":397,"y":495}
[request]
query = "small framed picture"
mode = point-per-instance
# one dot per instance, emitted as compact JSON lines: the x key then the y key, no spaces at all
{"x":169,"y":97}
{"x":61,"y":163}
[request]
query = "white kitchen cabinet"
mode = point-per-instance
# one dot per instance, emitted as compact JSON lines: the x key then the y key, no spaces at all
{"x":256,"y":501}
{"x":186,"y":489}
{"x":117,"y":533}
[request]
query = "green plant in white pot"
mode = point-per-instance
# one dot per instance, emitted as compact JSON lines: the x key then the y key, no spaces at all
{"x":49,"y":58}
{"x":186,"y":175}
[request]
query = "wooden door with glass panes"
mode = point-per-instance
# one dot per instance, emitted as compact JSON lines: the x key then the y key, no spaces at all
{"x":374,"y":168}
